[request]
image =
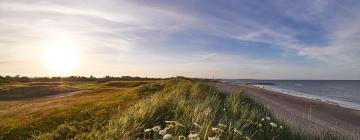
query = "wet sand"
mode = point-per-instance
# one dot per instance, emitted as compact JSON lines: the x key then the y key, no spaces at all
{"x":301,"y":113}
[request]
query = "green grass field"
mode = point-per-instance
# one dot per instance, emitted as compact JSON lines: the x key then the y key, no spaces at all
{"x":177,"y":108}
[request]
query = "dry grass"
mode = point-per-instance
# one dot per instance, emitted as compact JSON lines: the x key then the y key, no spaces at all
{"x":176,"y":109}
{"x":22,"y":119}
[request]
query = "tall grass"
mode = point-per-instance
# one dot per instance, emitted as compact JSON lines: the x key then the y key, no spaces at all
{"x":186,"y":109}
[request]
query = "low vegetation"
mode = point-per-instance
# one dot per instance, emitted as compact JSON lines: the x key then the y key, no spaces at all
{"x":178,"y":108}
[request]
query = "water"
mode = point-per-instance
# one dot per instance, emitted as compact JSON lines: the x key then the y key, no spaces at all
{"x":344,"y":93}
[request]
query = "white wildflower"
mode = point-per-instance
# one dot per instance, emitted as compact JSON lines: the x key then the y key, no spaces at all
{"x":260,"y":125}
{"x":247,"y":138}
{"x":181,"y":137}
{"x":193,"y":135}
{"x":238,"y":131}
{"x":222,"y":125}
{"x":268,"y":118}
{"x":170,"y":126}
{"x":156,"y":128}
{"x":215,"y":129}
{"x":147,"y":130}
{"x":167,"y":137}
{"x":273,"y":124}
{"x":262,"y":119}
{"x":213,"y":138}
{"x":162,"y":132}
{"x":281,"y":127}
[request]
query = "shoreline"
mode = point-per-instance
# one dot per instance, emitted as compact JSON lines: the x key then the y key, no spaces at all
{"x":307,"y":96}
{"x":301,"y":113}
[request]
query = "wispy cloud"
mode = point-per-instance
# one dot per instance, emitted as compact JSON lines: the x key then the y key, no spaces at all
{"x":172,"y":38}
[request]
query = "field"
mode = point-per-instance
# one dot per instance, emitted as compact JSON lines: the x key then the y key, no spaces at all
{"x":177,"y":108}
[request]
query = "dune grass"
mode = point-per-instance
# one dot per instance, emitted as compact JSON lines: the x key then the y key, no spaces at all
{"x":195,"y":110}
{"x":83,"y":112}
{"x":178,"y":109}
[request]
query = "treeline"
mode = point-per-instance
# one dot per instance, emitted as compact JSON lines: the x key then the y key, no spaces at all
{"x":18,"y":78}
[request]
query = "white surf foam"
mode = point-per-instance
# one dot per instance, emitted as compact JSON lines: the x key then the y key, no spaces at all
{"x":308,"y":96}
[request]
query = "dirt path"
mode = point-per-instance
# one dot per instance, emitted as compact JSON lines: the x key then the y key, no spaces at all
{"x":65,"y":94}
{"x":9,"y":108}
{"x":306,"y":114}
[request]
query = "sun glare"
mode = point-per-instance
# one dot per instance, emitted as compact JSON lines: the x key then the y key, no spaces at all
{"x":61,"y":57}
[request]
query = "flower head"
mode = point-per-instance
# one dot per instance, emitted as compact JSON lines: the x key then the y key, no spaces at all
{"x":268,"y":118}
{"x":193,"y":135}
{"x":273,"y":124}
{"x":181,"y":137}
{"x":147,"y":130}
{"x":170,"y":126}
{"x":156,"y":128}
{"x":162,"y":132}
{"x":222,"y":125}
{"x":167,"y":137}
{"x":238,"y":131}
{"x":215,"y":129}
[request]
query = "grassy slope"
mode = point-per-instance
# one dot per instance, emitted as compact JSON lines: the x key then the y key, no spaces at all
{"x":84,"y":112}
{"x":196,"y":107}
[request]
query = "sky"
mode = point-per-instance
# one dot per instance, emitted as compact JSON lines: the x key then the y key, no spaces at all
{"x":252,"y":39}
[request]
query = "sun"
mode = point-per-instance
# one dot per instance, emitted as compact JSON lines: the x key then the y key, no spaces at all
{"x":61,"y":56}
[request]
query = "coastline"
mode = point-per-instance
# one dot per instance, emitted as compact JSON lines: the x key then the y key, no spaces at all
{"x":309,"y":96}
{"x":301,"y":113}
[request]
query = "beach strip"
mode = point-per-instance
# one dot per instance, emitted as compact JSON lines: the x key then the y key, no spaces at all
{"x":301,"y":113}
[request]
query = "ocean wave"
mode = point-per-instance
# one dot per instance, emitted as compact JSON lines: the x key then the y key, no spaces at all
{"x":323,"y":99}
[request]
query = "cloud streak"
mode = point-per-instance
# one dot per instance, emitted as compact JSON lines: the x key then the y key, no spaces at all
{"x":174,"y":38}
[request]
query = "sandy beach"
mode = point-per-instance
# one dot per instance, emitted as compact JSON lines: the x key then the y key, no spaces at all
{"x":306,"y":114}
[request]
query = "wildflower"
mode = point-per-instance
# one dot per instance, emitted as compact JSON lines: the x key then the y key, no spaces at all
{"x":156,"y":128}
{"x":193,"y":135}
{"x":247,"y":138}
{"x":162,"y":132}
{"x":215,"y":129}
{"x":262,"y":119}
{"x":268,"y":118}
{"x":273,"y":124}
{"x":238,"y":131}
{"x":260,"y":125}
{"x":281,"y":127}
{"x":167,"y":137}
{"x":222,"y":125}
{"x":170,"y":126}
{"x":213,"y":138}
{"x":147,"y":130}
{"x":181,"y":137}
{"x":224,"y":109}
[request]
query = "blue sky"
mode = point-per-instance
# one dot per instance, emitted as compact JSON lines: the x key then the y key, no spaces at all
{"x":300,"y":39}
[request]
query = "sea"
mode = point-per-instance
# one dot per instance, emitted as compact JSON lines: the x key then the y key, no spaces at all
{"x":345,"y":93}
